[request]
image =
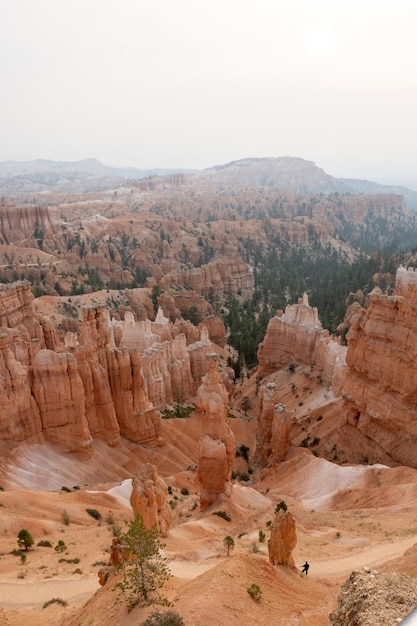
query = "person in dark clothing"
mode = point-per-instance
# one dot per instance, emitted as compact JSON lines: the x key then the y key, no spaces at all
{"x":305,"y":568}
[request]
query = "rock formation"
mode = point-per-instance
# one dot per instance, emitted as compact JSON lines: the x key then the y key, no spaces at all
{"x":273,"y":427}
{"x":297,"y":337}
{"x":217,"y":442}
{"x":379,"y":387}
{"x":371,"y":598}
{"x":148,"y":499}
{"x":84,"y":387}
{"x":283,"y":540}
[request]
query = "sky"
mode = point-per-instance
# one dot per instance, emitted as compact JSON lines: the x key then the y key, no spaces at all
{"x":195,"y":83}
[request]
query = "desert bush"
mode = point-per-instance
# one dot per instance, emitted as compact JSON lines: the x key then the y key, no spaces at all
{"x":55,"y":601}
{"x":95,"y":514}
{"x":254,"y":591}
{"x":75,"y":561}
{"x":223,"y":514}
{"x":228,"y":543}
{"x":261,"y":536}
{"x":67,"y":489}
{"x":60,"y":546}
{"x":185,"y":491}
{"x":170,"y":618}
{"x":281,"y":505}
{"x":65,"y":518}
{"x":25,"y":539}
{"x":44,"y":543}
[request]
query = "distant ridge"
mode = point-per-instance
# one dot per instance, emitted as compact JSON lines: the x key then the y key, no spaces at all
{"x":298,"y":176}
{"x":294,"y":174}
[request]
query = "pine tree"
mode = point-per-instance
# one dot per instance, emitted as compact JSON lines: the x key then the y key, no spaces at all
{"x":145,"y":570}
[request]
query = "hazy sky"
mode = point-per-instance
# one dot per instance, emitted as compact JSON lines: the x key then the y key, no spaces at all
{"x":193,"y":83}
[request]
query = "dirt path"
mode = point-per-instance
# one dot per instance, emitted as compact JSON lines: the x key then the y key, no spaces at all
{"x":372,"y":556}
{"x":32,"y":595}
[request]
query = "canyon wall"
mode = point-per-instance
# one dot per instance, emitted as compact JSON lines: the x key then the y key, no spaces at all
{"x":380,"y":387}
{"x":297,"y":337}
{"x":103,"y":379}
{"x":375,"y":374}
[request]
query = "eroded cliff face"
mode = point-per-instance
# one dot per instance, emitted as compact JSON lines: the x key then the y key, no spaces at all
{"x":273,"y":427}
{"x":99,"y":379}
{"x":379,"y":387}
{"x":217,"y":442}
{"x":297,"y":337}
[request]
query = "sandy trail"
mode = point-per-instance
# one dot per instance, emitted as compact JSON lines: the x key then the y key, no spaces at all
{"x":32,"y":595}
{"x":370,"y":557}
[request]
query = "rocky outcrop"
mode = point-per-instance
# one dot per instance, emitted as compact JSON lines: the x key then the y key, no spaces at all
{"x":283,"y":540}
{"x":273,"y":427}
{"x":148,"y":499}
{"x":86,"y":387}
{"x":371,"y":598}
{"x":220,"y":276}
{"x":379,"y":387}
{"x":217,"y":442}
{"x":297,"y":337}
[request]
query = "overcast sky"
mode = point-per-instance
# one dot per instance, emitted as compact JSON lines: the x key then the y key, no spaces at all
{"x":194,"y":83}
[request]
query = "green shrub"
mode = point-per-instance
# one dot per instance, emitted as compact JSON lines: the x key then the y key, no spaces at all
{"x":55,"y":601}
{"x":75,"y":561}
{"x":67,"y":489}
{"x":95,"y":514}
{"x":185,"y":491}
{"x":223,"y":514}
{"x":25,"y":539}
{"x":60,"y":546}
{"x":254,"y":591}
{"x":261,"y":536}
{"x":44,"y":543}
{"x":281,"y":505}
{"x":245,"y":477}
{"x":170,"y":618}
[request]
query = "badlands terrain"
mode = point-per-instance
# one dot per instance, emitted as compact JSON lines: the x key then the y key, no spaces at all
{"x":116,"y":299}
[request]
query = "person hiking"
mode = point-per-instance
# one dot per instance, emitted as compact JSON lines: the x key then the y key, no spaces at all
{"x":305,"y":568}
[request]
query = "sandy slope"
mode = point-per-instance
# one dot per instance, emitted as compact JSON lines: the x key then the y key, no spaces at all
{"x":347,"y":517}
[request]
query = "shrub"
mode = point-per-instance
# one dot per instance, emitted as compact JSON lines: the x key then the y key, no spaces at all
{"x":281,"y":505}
{"x":44,"y":543}
{"x":261,"y":536}
{"x":60,"y":546}
{"x":170,"y":618}
{"x":254,"y":591}
{"x":223,"y":514}
{"x":245,"y":477}
{"x":75,"y":561}
{"x":55,"y":601}
{"x":185,"y":491}
{"x":255,"y":548}
{"x":228,"y":543}
{"x":67,"y":489}
{"x":25,"y":539}
{"x":65,"y":518}
{"x":95,"y":514}
{"x":23,"y":558}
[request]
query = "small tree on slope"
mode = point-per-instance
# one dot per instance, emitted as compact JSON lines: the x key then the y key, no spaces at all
{"x":145,"y":570}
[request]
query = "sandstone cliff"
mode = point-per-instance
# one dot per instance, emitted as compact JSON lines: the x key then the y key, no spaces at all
{"x":273,"y":427}
{"x":217,"y":442}
{"x":379,"y":386}
{"x":297,"y":337}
